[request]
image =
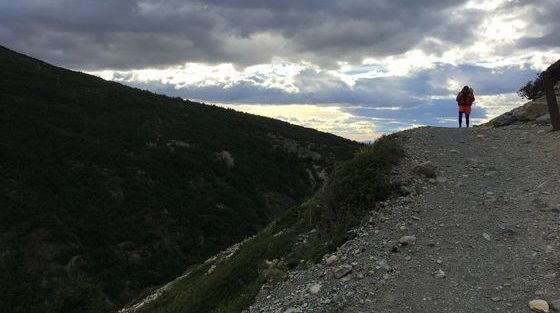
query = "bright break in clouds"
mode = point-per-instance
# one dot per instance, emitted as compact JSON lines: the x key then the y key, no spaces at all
{"x":374,"y":66}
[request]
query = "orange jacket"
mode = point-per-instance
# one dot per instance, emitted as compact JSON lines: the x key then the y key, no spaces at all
{"x":462,"y":100}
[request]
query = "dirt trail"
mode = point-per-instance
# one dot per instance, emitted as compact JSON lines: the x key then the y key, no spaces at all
{"x":487,"y":232}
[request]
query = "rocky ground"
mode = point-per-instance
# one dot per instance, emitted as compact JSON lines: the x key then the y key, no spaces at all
{"x":479,"y":232}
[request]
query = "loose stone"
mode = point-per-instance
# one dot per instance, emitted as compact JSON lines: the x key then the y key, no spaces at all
{"x":426,"y":169}
{"x":384,"y":265}
{"x":332,"y":259}
{"x":342,"y":271}
{"x":346,"y":278}
{"x":407,"y":240}
{"x":440,"y":274}
{"x":539,"y":306}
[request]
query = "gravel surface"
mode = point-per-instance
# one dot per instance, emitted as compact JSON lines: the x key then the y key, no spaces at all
{"x":482,"y":236}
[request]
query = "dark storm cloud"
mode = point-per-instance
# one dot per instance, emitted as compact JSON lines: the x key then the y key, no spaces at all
{"x":106,"y":34}
{"x":546,"y":14}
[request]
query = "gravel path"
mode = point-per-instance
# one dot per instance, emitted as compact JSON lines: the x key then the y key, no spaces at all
{"x":486,"y":232}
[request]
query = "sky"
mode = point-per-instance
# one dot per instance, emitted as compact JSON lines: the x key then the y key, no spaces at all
{"x":355,"y":68}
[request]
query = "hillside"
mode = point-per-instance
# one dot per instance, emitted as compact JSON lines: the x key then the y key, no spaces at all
{"x":465,"y":221}
{"x":477,"y":233}
{"x":108,"y":191}
{"x":229,"y":281}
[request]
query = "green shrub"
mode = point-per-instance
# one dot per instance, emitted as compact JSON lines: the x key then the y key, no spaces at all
{"x":353,"y":189}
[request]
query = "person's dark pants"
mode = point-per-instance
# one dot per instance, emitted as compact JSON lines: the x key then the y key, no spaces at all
{"x":461,"y":119}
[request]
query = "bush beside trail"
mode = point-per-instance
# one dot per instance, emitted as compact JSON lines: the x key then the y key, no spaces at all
{"x":298,"y":239}
{"x":534,"y":89}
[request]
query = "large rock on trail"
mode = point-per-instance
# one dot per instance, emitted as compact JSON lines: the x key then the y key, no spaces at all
{"x":532,"y":111}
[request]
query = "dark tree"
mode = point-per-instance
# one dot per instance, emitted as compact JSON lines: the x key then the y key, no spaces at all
{"x":534,"y":88}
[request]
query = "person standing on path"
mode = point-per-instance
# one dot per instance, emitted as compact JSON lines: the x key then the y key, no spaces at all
{"x":465,"y":98}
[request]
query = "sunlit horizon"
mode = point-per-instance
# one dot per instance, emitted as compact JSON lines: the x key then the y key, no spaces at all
{"x":356,"y":58}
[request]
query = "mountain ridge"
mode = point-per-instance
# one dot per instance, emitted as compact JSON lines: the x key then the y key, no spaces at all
{"x":449,"y":179}
{"x":108,"y":190}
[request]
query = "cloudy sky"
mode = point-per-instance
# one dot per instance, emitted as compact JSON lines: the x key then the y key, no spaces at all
{"x":356,"y":68}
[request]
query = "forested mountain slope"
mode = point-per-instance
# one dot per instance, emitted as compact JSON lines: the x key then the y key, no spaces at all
{"x":107,"y":190}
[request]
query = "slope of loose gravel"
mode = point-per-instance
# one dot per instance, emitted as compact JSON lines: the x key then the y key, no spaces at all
{"x":490,"y":222}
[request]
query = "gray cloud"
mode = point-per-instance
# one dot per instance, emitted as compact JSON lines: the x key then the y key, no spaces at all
{"x":125,"y":34}
{"x":324,"y":89}
{"x":546,"y":14}
{"x":109,"y":34}
{"x":422,"y":113}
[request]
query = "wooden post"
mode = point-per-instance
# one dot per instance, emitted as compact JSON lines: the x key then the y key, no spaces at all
{"x":551,"y":100}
